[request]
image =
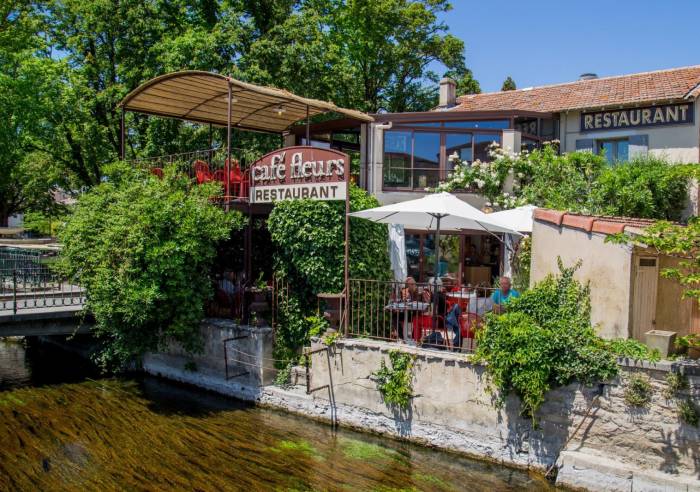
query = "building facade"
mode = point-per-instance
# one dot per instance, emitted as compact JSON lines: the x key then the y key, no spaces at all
{"x":651,"y":113}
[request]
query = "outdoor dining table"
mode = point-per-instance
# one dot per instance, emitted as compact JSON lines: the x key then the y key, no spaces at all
{"x":407,"y":307}
{"x":471,"y":303}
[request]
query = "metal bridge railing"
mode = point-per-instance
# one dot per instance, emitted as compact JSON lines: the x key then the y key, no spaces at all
{"x":36,"y":288}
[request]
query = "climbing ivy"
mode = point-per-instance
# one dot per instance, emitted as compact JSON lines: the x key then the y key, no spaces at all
{"x":545,"y":340}
{"x":395,"y":383}
{"x":309,"y":239}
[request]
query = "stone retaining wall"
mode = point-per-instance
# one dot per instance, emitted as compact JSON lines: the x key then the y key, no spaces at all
{"x":615,"y":448}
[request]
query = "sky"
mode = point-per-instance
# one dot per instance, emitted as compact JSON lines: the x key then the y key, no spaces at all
{"x":540,"y":42}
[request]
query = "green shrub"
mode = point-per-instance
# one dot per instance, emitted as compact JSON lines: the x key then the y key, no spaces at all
{"x":642,"y":187}
{"x":309,"y":239}
{"x":142,"y":247}
{"x":675,"y":383}
{"x":395,"y":383}
{"x":544,"y":340}
{"x":579,"y":182}
{"x":631,"y":349}
{"x":521,"y":264}
{"x":638,"y":391}
{"x":688,"y":412}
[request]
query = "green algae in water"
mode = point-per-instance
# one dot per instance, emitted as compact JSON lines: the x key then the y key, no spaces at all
{"x":433,"y":481}
{"x":301,"y":446}
{"x":366,"y":451}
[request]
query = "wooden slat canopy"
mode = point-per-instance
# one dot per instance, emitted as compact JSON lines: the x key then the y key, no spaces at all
{"x":203,"y":97}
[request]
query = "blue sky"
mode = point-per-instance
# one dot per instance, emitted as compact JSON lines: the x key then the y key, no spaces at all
{"x":541,"y":42}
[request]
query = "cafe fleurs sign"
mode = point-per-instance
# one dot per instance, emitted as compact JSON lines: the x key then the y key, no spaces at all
{"x":296,"y":173}
{"x":665,"y":114}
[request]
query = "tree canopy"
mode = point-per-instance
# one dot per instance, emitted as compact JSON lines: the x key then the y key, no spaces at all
{"x":508,"y":84}
{"x":65,"y":64}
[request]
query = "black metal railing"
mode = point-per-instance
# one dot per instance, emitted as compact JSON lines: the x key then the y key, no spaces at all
{"x":36,"y":288}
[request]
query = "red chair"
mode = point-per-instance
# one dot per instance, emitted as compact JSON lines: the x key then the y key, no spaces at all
{"x":157,"y":171}
{"x":236,"y":177}
{"x":423,"y":325}
{"x":469,"y":323}
{"x":201,"y":172}
{"x":220,"y":176}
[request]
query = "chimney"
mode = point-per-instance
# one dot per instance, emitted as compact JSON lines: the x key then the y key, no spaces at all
{"x":588,"y":76}
{"x":448,"y":93}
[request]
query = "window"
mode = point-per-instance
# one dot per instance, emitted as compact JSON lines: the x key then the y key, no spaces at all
{"x":417,"y":158}
{"x":460,"y":144}
{"x":398,"y":148}
{"x":614,"y":150}
{"x":482,"y":142}
{"x":426,"y":160}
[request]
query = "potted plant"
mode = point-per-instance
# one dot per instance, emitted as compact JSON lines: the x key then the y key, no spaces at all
{"x":691,"y":343}
{"x":258,"y":292}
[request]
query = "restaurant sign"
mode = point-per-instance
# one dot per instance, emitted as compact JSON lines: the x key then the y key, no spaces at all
{"x":665,"y":114}
{"x":295,"y":173}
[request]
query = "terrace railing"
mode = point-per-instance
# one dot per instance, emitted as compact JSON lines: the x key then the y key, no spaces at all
{"x":377,"y":309}
{"x":209,"y":165}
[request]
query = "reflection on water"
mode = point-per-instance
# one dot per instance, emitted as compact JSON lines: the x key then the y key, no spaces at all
{"x":148,"y":434}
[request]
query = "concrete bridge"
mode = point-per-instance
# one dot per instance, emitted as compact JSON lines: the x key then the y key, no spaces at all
{"x":45,"y":312}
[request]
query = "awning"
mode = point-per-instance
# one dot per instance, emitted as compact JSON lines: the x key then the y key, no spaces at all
{"x":203,"y":97}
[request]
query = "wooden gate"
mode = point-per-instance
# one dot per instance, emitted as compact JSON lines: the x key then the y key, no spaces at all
{"x":646,"y":277}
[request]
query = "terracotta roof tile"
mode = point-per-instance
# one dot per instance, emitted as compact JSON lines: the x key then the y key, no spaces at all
{"x":639,"y":88}
{"x":591,"y":223}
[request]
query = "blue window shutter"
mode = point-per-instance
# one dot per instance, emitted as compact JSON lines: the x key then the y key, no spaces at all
{"x":585,"y":145}
{"x":638,"y":146}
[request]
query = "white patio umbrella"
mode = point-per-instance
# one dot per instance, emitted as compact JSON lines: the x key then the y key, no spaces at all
{"x":519,"y":218}
{"x":439,"y":211}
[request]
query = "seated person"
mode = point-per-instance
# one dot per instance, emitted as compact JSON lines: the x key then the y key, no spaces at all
{"x":228,"y":286}
{"x":449,"y":312}
{"x":410,"y":293}
{"x":501,"y":297}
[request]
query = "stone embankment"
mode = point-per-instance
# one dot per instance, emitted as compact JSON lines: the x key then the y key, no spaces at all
{"x":593,"y":437}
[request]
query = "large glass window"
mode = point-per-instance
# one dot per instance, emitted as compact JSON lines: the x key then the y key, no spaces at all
{"x":397,"y":158}
{"x":426,"y":159}
{"x":418,"y":158}
{"x":491,"y":124}
{"x":614,"y":150}
{"x":482,"y":142}
{"x":459,"y":144}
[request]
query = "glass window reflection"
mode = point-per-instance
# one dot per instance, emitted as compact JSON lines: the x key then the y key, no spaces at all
{"x":482,"y":142}
{"x":495,"y":124}
{"x":460,"y":144}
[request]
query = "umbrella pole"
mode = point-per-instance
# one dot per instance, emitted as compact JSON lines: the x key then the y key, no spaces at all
{"x":437,"y":271}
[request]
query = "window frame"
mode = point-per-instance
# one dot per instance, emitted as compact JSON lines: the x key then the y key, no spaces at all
{"x":615,"y":142}
{"x":442,"y":130}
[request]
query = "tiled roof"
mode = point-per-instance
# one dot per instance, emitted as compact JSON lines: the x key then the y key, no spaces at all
{"x":638,"y":88}
{"x":592,"y":223}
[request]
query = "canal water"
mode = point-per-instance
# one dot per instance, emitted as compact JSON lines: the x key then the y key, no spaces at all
{"x":63,"y":427}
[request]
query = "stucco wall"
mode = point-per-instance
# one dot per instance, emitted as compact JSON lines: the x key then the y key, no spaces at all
{"x":606,"y":266}
{"x":678,"y":143}
{"x":616,"y":448}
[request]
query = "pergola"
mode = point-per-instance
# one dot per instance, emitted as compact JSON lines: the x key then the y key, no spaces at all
{"x":219,"y":100}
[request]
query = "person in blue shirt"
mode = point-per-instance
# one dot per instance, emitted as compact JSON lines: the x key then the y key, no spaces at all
{"x":501,"y":296}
